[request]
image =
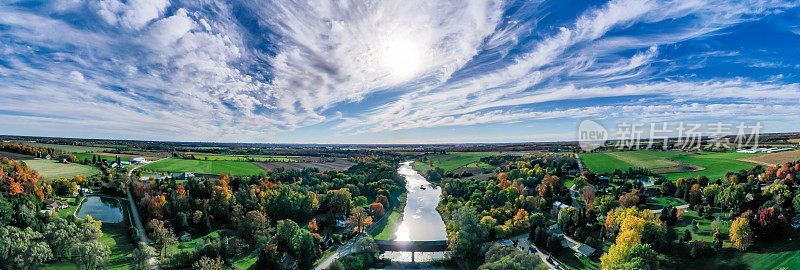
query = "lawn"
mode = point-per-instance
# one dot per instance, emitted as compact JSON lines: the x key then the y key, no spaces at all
{"x":385,"y":229}
{"x":205,"y":166}
{"x":197,"y":242}
{"x":659,"y":202}
{"x":768,"y":256}
{"x":452,"y":160}
{"x":71,"y":148}
{"x":51,"y":169}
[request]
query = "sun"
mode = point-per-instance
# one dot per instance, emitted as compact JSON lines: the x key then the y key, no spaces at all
{"x":402,"y":57}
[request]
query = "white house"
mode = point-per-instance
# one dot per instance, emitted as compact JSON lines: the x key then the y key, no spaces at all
{"x":137,"y":160}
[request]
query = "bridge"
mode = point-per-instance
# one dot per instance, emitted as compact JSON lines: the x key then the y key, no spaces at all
{"x":412,"y":246}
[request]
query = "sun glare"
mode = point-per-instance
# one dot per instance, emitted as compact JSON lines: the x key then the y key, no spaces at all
{"x":402,"y":57}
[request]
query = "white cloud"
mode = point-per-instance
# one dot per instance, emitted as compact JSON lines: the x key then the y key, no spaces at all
{"x":133,"y":14}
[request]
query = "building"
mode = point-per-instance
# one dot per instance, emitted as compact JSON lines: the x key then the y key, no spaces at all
{"x":556,"y":231}
{"x":138,"y":160}
{"x":341,"y":221}
{"x":763,"y":150}
{"x":55,"y":205}
{"x":182,"y":176}
{"x":559,"y":205}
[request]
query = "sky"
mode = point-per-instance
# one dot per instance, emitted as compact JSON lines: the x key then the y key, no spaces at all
{"x":412,"y":71}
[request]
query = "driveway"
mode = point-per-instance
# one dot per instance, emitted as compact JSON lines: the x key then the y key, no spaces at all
{"x":153,"y":261}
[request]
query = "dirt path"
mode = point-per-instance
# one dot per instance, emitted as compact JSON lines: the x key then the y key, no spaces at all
{"x":153,"y":261}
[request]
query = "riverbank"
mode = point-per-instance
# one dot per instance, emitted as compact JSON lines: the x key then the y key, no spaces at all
{"x":387,"y":226}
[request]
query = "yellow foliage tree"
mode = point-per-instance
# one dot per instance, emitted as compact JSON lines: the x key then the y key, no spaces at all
{"x":741,"y":234}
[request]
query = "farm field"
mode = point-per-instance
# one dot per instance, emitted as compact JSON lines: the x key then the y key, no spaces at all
{"x":258,"y":158}
{"x":451,"y":161}
{"x":71,"y":148}
{"x":672,"y":165}
{"x":205,"y":166}
{"x":15,"y":156}
{"x":340,"y":164}
{"x":774,"y":159}
{"x":51,"y":169}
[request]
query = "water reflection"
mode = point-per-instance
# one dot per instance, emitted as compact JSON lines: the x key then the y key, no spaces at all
{"x":421,"y":221}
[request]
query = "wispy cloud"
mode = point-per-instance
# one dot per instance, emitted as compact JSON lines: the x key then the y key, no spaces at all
{"x":257,"y":70}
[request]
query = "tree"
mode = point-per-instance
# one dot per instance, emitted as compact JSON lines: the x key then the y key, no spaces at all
{"x":383,"y":200}
{"x":92,"y":254}
{"x":254,"y":224}
{"x":360,"y":200}
{"x":305,"y":249}
{"x":359,"y":219}
{"x":377,"y":209}
{"x":206,"y":263}
{"x":732,"y":197}
{"x":567,"y":217}
{"x":521,"y":221}
{"x":162,"y":237}
{"x":711,"y":192}
{"x":741,"y":234}
{"x":628,"y":199}
{"x":587,"y":195}
{"x":464,"y":237}
{"x":339,"y":200}
{"x":286,"y":229}
{"x":141,"y":255}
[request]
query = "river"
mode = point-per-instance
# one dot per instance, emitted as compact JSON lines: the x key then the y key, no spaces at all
{"x":421,"y":221}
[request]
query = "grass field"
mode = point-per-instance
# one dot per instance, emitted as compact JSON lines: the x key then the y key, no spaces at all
{"x":204,"y":166}
{"x":51,"y":169}
{"x":712,"y":165}
{"x":71,"y":148}
{"x":452,"y":160}
{"x":385,"y":230}
{"x":659,"y":202}
{"x":82,"y":156}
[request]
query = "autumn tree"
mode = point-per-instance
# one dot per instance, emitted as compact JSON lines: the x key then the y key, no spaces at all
{"x":628,"y":199}
{"x":588,"y":196}
{"x":162,"y":236}
{"x":741,"y":234}
{"x":359,"y":220}
{"x":254,"y":224}
{"x":376,"y":209}
{"x":521,"y":221}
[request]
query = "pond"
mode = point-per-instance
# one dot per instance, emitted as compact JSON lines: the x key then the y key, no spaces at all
{"x":101,"y":208}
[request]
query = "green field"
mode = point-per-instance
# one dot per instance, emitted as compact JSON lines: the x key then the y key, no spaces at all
{"x":452,"y":160}
{"x":71,"y":148}
{"x":82,"y":156}
{"x":712,"y":165}
{"x":205,"y":166}
{"x":51,"y":169}
{"x":259,"y":158}
{"x":602,"y":162}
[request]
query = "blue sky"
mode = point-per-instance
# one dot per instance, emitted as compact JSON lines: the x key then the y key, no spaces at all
{"x":391,"y":71}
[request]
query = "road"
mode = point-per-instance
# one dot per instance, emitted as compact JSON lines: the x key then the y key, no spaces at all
{"x":525,"y":245}
{"x":153,"y":261}
{"x":342,"y":251}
